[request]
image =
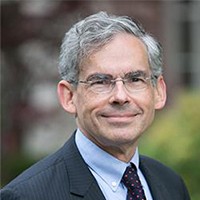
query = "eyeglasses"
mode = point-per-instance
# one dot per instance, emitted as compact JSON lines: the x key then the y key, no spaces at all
{"x":104,"y":83}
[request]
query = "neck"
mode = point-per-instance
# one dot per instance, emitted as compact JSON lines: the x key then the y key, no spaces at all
{"x":124,"y":153}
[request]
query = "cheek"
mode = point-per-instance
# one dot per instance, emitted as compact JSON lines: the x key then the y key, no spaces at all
{"x":145,"y":98}
{"x":88,"y":108}
{"x":150,"y":108}
{"x":87,"y":105}
{"x":147,"y":104}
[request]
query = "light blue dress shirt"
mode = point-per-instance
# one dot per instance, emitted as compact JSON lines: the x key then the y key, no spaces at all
{"x":108,"y":170}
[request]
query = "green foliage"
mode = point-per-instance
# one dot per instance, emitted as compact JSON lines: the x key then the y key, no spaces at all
{"x":13,"y":165}
{"x":174,"y":139}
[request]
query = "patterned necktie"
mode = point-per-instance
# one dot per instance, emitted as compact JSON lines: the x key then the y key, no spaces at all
{"x":131,"y":180}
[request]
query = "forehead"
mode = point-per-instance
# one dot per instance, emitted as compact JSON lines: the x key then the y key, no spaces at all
{"x":124,"y":53}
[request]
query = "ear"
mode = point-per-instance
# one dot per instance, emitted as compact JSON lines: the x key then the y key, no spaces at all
{"x":66,"y":96}
{"x":160,"y":93}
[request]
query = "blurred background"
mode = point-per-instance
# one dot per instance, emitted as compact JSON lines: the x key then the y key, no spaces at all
{"x":33,"y":124}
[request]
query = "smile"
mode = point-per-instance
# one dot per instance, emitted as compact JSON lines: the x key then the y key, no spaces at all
{"x":120,"y":118}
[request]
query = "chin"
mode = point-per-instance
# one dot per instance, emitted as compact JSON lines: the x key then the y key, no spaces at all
{"x":122,"y":139}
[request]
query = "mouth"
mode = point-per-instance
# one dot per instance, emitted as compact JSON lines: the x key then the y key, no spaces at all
{"x":120,"y":118}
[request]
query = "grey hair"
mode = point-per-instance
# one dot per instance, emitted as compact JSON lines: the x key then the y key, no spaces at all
{"x":92,"y":33}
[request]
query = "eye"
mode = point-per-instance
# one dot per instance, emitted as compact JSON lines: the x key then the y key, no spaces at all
{"x":102,"y":81}
{"x":99,"y":79}
{"x":136,"y":79}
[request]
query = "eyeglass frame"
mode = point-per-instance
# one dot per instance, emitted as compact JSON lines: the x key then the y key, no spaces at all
{"x":112,"y":81}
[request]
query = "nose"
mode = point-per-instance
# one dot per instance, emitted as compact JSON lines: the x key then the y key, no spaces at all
{"x":119,"y":94}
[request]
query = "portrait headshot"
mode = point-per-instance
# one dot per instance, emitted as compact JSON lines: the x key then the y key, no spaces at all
{"x":112,"y":83}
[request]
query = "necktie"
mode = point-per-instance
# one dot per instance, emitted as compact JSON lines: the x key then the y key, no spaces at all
{"x":131,"y":180}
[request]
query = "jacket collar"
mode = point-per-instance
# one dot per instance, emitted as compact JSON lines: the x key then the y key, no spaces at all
{"x":81,"y":181}
{"x":157,"y":188}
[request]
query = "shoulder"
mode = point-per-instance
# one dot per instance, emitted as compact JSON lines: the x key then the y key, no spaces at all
{"x":49,"y":174}
{"x":158,"y":169}
{"x":42,"y":168}
{"x":159,"y":175}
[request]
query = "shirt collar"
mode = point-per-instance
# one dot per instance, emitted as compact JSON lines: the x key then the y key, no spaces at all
{"x":109,"y":168}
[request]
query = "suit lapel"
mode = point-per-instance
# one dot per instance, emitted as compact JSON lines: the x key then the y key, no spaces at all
{"x":84,"y":186}
{"x":158,"y":190}
{"x":81,"y":181}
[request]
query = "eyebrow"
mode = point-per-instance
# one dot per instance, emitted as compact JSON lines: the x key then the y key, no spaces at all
{"x":104,"y":75}
{"x":137,"y":73}
{"x":99,"y":76}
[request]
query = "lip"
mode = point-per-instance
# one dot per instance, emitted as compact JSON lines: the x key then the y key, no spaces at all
{"x":120,"y":118}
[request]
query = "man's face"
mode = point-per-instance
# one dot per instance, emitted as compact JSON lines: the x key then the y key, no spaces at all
{"x":119,"y":117}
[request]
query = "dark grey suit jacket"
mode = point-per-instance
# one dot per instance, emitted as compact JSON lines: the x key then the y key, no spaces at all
{"x":65,"y":176}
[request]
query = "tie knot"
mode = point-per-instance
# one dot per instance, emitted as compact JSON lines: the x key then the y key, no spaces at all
{"x":130,"y":178}
{"x":132,"y":182}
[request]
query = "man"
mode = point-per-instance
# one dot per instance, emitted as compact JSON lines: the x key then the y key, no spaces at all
{"x":112,"y":83}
